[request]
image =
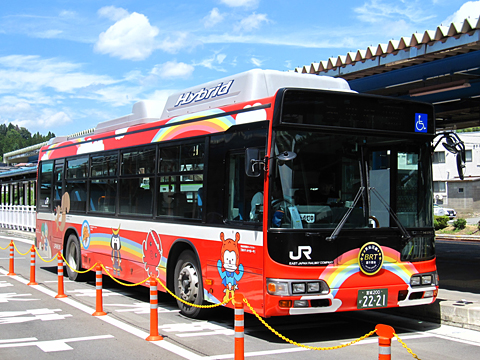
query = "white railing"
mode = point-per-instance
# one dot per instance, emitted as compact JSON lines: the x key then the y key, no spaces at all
{"x":18,"y":217}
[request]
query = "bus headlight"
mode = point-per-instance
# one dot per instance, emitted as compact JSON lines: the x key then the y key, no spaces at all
{"x":426,"y":279}
{"x":313,"y":287}
{"x":298,"y":288}
{"x":423,"y":279}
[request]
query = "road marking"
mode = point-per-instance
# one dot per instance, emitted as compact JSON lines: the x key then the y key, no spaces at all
{"x":256,"y":353}
{"x":18,"y":340}
{"x":197,"y":329}
{"x":164,"y":344}
{"x":6,"y":297}
{"x":52,"y":345}
{"x":16,"y":317}
{"x":452,"y":333}
{"x":5,"y":284}
{"x":93,"y":293}
{"x":141,"y":308}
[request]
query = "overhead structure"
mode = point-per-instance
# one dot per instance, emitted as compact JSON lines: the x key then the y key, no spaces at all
{"x":439,"y":66}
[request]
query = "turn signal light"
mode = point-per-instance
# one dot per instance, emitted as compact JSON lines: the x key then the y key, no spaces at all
{"x":285,"y":303}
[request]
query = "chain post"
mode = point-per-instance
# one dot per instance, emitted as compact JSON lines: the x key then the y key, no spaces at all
{"x":239,"y":327}
{"x":61,"y":293}
{"x":99,"y":293}
{"x":385,"y":335}
{"x":11,"y":271}
{"x":32,"y":267}
{"x":154,"y":336}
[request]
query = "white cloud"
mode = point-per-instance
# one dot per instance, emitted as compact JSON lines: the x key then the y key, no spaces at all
{"x":252,"y":22}
{"x":213,"y":18}
{"x":469,"y":9}
{"x":378,"y":11}
{"x":213,"y":61}
{"x":131,"y":38}
{"x":175,"y":42}
{"x":241,"y":3}
{"x":173,"y":69}
{"x":113,"y":13}
{"x":256,"y":62}
{"x":46,"y":119}
{"x":220,"y":58}
{"x":32,"y":73}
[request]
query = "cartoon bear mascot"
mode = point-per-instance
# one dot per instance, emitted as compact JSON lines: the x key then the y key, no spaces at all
{"x":230,"y":261}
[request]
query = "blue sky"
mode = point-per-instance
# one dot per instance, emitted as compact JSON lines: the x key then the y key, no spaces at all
{"x":67,"y":65}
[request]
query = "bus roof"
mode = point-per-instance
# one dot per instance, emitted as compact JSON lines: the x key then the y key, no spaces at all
{"x":239,"y":88}
{"x":246,"y":86}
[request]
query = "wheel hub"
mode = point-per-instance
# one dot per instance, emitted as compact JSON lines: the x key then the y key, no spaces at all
{"x":188,"y":283}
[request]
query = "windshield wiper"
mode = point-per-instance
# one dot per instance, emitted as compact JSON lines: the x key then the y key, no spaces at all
{"x":342,"y":222}
{"x":392,"y":213}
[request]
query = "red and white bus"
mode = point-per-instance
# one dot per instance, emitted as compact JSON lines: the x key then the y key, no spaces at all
{"x":292,"y":189}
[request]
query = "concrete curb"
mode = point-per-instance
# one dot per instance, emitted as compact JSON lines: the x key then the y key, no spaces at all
{"x":18,"y":234}
{"x":457,"y":237}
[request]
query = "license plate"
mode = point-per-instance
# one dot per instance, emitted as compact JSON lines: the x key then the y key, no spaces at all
{"x":375,"y":298}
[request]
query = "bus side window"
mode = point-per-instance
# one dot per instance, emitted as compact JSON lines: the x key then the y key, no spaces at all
{"x":245,"y":194}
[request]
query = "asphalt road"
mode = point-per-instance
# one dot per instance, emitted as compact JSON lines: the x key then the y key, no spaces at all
{"x":458,"y":264}
{"x":33,"y":324}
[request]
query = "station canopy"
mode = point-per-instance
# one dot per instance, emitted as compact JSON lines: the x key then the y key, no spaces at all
{"x":440,"y":66}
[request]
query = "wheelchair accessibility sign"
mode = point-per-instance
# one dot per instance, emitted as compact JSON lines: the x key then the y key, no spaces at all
{"x":421,"y":122}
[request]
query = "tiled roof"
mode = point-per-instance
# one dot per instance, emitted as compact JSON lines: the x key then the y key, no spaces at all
{"x":402,"y":52}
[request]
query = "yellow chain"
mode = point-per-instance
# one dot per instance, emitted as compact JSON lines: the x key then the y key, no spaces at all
{"x":77,"y":271}
{"x":284,"y":338}
{"x":406,"y":347}
{"x":190,"y":304}
{"x":120,"y":282}
{"x":15,"y":246}
{"x":5,"y":248}
{"x":41,"y":258}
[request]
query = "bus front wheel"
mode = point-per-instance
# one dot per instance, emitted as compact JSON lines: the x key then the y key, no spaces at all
{"x":73,"y":257}
{"x":188,"y":284}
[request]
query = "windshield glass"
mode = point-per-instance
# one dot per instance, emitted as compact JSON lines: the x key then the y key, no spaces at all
{"x":332,"y":173}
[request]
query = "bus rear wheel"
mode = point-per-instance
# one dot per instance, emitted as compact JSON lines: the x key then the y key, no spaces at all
{"x":188,"y":284}
{"x":73,"y":256}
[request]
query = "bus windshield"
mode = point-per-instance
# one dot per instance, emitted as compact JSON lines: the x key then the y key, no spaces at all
{"x":334,"y":173}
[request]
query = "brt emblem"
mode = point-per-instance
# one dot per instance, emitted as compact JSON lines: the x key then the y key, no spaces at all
{"x":370,"y":258}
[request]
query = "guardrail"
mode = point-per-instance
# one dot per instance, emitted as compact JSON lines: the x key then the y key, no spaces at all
{"x":18,"y":217}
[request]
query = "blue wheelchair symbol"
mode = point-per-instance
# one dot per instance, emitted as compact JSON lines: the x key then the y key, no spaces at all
{"x":421,"y":122}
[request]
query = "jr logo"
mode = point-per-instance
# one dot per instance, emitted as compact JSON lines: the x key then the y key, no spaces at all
{"x":306,"y":250}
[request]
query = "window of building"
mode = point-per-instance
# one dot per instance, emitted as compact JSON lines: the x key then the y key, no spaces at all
{"x":439,"y":186}
{"x":439,"y":157}
{"x":468,"y":155}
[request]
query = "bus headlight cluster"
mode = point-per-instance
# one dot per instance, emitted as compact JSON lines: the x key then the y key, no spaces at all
{"x":423,"y":279}
{"x":296,"y":287}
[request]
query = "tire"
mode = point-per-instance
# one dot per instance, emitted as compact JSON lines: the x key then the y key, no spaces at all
{"x":73,"y":255}
{"x":188,"y":284}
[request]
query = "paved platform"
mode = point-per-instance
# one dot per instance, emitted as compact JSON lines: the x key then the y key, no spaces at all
{"x":456,"y":308}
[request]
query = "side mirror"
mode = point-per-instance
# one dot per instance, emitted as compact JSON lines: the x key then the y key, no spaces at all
{"x":456,"y":146}
{"x":252,"y":162}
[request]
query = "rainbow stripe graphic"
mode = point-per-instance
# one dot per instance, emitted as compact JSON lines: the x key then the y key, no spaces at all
{"x":130,"y":250}
{"x":217,"y":123}
{"x":336,"y":275}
